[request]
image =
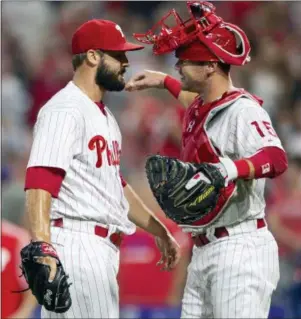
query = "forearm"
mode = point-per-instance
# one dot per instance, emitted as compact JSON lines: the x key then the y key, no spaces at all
{"x":141,"y":216}
{"x":174,"y":87}
{"x":268,"y":162}
{"x":154,"y":79}
{"x":38,"y":203}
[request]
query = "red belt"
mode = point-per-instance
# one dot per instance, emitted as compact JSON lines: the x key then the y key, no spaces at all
{"x":220,"y":232}
{"x":115,"y":238}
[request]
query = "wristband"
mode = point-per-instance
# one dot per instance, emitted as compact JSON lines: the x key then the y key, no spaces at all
{"x":230,"y":168}
{"x":172,"y":85}
{"x":245,"y":169}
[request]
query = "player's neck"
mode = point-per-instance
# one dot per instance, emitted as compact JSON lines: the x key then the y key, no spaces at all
{"x":88,"y":86}
{"x":216,"y":88}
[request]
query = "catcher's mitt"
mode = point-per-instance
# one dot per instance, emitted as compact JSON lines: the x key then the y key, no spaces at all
{"x":55,"y":295}
{"x":186,"y":192}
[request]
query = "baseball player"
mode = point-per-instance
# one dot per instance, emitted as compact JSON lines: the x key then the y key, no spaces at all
{"x":234,"y":268}
{"x":78,"y":204}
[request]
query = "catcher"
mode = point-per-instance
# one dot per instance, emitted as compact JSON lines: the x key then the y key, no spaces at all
{"x":229,"y":148}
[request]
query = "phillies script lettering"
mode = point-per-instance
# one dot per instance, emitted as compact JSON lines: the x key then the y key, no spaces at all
{"x":101,"y":146}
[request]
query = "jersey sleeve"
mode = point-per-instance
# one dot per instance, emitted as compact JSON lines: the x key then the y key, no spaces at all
{"x":57,"y":139}
{"x":251,"y":130}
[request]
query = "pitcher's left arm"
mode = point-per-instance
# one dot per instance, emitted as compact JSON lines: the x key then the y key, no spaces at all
{"x":142,"y":216}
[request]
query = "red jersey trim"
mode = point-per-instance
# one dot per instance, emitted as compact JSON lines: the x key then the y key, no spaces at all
{"x":101,"y":107}
{"x":123,"y":181}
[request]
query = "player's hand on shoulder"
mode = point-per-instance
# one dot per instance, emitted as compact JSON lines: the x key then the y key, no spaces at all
{"x":170,"y":251}
{"x":145,"y":80}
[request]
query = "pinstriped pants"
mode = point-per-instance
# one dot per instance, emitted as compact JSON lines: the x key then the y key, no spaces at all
{"x":92,"y":263}
{"x":232,"y":277}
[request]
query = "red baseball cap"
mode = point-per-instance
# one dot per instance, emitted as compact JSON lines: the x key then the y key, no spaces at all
{"x":101,"y":35}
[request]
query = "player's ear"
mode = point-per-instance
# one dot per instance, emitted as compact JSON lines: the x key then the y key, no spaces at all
{"x":93,"y":57}
{"x":211,"y":68}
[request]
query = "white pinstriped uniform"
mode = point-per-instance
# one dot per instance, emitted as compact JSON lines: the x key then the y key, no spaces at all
{"x":234,"y":277}
{"x":73,"y":134}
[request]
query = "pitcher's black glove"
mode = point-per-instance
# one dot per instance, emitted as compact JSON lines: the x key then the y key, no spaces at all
{"x":186,"y":192}
{"x":55,"y":295}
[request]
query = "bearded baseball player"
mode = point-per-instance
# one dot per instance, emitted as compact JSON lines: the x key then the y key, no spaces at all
{"x":215,"y":190}
{"x":78,"y":204}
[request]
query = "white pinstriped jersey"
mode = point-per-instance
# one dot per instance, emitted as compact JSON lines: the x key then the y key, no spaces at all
{"x":238,"y":131}
{"x":73,"y":134}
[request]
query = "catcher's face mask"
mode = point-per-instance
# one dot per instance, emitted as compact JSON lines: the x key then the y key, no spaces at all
{"x":203,"y":37}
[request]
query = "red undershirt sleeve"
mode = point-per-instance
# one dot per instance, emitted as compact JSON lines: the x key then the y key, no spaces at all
{"x":268,"y":162}
{"x":47,"y":178}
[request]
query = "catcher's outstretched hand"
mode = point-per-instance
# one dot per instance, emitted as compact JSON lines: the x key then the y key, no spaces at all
{"x":170,"y":252}
{"x":146,"y":80}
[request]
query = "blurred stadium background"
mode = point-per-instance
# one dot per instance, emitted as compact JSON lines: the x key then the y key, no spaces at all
{"x":36,"y":63}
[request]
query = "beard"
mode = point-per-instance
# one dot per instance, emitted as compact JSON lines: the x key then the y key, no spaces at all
{"x":108,"y":79}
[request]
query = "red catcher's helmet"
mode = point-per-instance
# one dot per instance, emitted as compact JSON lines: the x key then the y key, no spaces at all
{"x":203,"y":37}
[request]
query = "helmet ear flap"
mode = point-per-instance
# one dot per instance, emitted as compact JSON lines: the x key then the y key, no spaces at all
{"x":241,"y":44}
{"x":243,"y":47}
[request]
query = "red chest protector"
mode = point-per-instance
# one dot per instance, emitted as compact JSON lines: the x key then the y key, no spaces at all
{"x":197,"y":147}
